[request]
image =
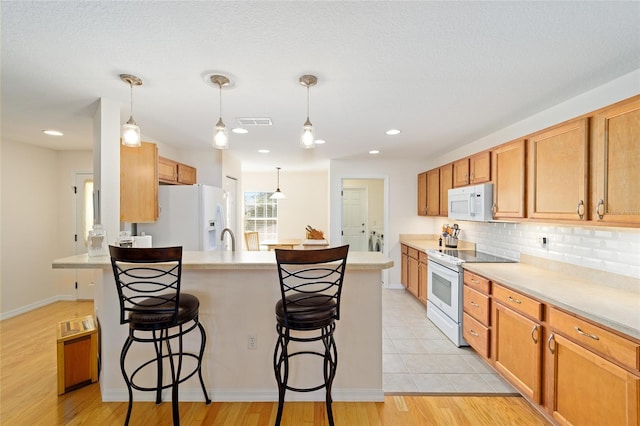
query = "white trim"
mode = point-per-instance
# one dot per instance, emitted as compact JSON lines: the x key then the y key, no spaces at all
{"x":36,"y":305}
{"x":249,"y":395}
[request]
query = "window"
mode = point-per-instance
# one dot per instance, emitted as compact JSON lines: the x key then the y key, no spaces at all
{"x":261,"y":214}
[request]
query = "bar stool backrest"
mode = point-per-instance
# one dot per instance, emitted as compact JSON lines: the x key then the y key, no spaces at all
{"x":147,"y":280}
{"x":252,"y":239}
{"x":311,"y":273}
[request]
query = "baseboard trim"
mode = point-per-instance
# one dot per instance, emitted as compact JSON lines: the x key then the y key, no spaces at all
{"x":249,"y":395}
{"x":30,"y":307}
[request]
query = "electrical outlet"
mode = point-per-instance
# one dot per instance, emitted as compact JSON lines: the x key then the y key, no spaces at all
{"x":543,"y":241}
{"x":252,"y":342}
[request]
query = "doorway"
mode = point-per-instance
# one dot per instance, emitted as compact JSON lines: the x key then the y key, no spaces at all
{"x":84,"y":220}
{"x":363,"y":214}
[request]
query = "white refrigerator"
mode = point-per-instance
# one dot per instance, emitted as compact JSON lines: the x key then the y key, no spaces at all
{"x":191,"y":216}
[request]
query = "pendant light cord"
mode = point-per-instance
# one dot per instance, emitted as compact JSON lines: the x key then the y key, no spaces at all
{"x":131,"y":100}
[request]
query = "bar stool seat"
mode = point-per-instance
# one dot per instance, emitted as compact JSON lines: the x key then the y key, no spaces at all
{"x":151,"y":303}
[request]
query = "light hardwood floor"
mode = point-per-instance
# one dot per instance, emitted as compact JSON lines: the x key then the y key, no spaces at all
{"x":28,"y":393}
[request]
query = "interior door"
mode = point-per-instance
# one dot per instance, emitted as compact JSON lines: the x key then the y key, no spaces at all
{"x":83,"y":223}
{"x":354,"y":218}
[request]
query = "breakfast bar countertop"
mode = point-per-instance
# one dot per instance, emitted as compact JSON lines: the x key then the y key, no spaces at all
{"x":356,"y":260}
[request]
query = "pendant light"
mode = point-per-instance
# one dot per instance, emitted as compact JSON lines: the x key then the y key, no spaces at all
{"x":307,"y":139}
{"x":278,"y":195}
{"x":130,"y":130}
{"x":221,"y":135}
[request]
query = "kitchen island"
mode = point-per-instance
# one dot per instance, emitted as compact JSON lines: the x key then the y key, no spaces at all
{"x":238,"y":292}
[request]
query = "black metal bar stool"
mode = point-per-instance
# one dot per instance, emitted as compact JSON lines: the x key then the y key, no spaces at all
{"x":310,"y":285}
{"x":148,"y":283}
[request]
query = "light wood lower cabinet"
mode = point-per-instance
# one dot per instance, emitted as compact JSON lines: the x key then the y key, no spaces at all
{"x":413,"y":281}
{"x":517,"y":350}
{"x":404,"y":265}
{"x":422,"y":277}
{"x":589,"y":390}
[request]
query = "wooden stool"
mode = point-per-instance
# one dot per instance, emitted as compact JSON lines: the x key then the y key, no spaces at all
{"x":77,"y":353}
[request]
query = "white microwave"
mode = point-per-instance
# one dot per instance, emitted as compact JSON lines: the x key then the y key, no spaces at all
{"x":473,"y":203}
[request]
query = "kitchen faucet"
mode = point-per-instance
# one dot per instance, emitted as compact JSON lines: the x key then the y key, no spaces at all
{"x":233,"y":238}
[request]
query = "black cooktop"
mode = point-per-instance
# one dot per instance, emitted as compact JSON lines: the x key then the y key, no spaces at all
{"x":474,"y":256}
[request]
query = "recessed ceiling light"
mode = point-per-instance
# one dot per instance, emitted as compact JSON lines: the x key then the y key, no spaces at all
{"x":393,"y":132}
{"x":51,"y":132}
{"x":240,"y":131}
{"x":320,"y":141}
{"x":263,"y":151}
{"x":374,"y":151}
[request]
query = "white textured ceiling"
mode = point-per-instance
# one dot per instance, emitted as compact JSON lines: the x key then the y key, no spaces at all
{"x":445,"y":73}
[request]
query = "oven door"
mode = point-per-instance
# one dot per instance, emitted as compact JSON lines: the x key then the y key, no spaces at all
{"x":444,"y":290}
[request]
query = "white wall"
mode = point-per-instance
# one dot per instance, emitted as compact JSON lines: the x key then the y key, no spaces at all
{"x":306,"y":203}
{"x":37,"y":224}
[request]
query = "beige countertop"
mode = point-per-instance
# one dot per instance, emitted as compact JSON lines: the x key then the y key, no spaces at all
{"x":227,"y":260}
{"x":606,"y":298}
{"x":616,"y":308}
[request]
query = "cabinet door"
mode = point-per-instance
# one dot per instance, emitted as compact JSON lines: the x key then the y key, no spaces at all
{"x":508,"y":171}
{"x":422,"y":278}
{"x":516,"y":350}
{"x":413,"y":278}
{"x":617,"y":156}
{"x":422,"y":194}
{"x":139,"y":183}
{"x":558,"y":172}
{"x":461,"y":173}
{"x":446,"y":183}
{"x":480,"y":168}
{"x":167,"y":170}
{"x":404,"y":264}
{"x":433,"y":192}
{"x":589,"y":390}
{"x":187,"y":175}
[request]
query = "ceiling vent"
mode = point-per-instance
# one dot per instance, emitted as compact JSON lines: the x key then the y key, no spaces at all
{"x":254,"y":121}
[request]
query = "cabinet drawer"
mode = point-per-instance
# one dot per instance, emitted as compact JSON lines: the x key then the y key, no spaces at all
{"x":404,"y":249}
{"x":517,"y":302}
{"x":596,"y":338}
{"x":413,"y":253}
{"x":477,"y":305}
{"x":477,"y":282}
{"x":476,"y":335}
{"x":422,"y":257}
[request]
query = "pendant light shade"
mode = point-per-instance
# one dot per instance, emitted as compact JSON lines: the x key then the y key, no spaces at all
{"x":278,"y":195}
{"x":130,"y":129}
{"x":307,"y":140}
{"x":221,"y":135}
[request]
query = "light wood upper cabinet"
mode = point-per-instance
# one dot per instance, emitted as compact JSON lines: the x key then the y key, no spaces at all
{"x":446,"y":183}
{"x":461,"y":173}
{"x":616,"y":164}
{"x":558,"y":164}
{"x":172,"y":172}
{"x":139,"y":183}
{"x":433,"y":192}
{"x":422,"y":194}
{"x":480,"y":168}
{"x":472,"y":170}
{"x":509,"y":177}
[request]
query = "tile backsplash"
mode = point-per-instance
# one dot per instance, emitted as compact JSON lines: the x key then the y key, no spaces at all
{"x":614,"y":250}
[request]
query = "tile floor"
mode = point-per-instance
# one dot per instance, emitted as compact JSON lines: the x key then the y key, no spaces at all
{"x":418,"y":358}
